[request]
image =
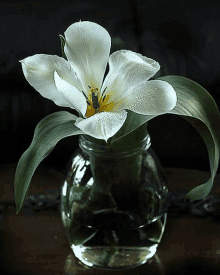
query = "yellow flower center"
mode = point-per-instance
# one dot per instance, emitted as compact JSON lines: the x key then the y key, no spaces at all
{"x":97,"y":103}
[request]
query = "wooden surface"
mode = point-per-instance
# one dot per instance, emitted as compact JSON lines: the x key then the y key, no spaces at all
{"x":34,"y":242}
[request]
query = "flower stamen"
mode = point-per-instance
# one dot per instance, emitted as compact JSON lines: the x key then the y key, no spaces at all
{"x":104,"y":90}
{"x":87,"y":100}
{"x":85,"y":95}
{"x":97,"y":103}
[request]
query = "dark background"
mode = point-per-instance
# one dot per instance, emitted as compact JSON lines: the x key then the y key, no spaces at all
{"x":183,"y":36}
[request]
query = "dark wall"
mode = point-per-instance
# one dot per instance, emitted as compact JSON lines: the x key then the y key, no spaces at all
{"x":182,"y":36}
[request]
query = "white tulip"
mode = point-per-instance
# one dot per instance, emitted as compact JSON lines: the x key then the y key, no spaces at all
{"x":79,"y":83}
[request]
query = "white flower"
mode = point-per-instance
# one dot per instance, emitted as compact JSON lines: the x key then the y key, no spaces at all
{"x":79,"y":82}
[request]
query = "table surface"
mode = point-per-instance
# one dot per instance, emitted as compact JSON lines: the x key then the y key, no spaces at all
{"x":35,"y":242}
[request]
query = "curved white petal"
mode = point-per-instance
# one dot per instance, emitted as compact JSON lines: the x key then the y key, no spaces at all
{"x":102,"y":125}
{"x":126,"y":70}
{"x":87,"y":47}
{"x":39,"y":71}
{"x":150,"y":98}
{"x":71,"y":94}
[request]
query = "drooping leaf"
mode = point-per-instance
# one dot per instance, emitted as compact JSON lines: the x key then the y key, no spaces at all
{"x":48,"y":132}
{"x":198,"y":107}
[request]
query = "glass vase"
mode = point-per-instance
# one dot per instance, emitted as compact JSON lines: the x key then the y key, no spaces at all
{"x":114,"y":202}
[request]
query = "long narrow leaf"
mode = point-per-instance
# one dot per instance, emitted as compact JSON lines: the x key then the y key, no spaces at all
{"x":197,"y":106}
{"x":48,"y":132}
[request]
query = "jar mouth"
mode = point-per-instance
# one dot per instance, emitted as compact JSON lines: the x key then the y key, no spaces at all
{"x":118,"y":148}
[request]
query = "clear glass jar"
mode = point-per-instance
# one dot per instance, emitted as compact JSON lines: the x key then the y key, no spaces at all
{"x":114,"y":202}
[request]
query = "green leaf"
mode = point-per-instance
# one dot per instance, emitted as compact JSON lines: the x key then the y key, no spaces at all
{"x":133,"y":122}
{"x":197,"y":106}
{"x":62,"y":41}
{"x":48,"y":132}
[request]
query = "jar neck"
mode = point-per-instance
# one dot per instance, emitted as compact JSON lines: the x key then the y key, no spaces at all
{"x":131,"y":144}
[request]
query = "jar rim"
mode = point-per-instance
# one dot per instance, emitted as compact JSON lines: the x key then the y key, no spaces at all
{"x":118,"y":149}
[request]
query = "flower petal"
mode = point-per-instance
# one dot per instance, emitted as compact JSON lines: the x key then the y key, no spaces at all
{"x":127,"y":69}
{"x":102,"y":125}
{"x":150,"y":98}
{"x":70,"y":94}
{"x":87,"y":48}
{"x":39,"y":71}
